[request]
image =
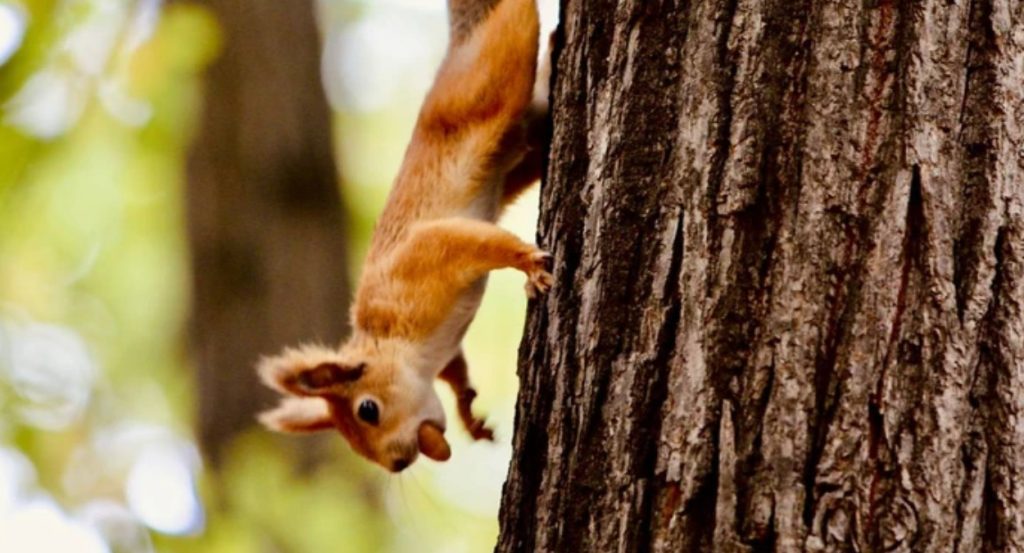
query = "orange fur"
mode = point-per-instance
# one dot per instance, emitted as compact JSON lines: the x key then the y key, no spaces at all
{"x":433,"y":247}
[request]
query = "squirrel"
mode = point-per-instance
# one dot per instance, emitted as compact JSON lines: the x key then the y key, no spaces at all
{"x":473,"y":150}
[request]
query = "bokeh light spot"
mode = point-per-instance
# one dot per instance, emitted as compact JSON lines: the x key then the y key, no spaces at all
{"x":161,"y":491}
{"x":51,"y":371}
{"x":16,"y":475}
{"x":12,"y":30}
{"x":40,"y":525}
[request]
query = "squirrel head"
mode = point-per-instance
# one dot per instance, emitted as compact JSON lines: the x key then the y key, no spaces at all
{"x":387,"y":410}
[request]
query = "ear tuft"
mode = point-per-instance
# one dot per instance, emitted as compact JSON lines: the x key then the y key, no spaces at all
{"x":306,"y":370}
{"x":298,"y":414}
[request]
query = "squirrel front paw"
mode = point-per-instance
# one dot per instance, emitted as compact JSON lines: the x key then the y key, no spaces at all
{"x":538,"y":279}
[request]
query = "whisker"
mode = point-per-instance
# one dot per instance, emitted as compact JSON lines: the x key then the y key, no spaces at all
{"x":413,"y":526}
{"x":444,"y":510}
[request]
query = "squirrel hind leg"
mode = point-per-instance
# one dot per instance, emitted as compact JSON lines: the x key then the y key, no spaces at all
{"x":535,"y":131}
{"x":456,"y":374}
{"x":530,"y":166}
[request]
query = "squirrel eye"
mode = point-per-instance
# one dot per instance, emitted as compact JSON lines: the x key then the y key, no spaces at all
{"x":368,"y":411}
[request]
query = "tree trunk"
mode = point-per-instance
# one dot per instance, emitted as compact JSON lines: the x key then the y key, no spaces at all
{"x":265,"y":220}
{"x":789,"y":301}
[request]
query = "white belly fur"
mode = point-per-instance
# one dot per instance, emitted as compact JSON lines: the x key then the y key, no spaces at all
{"x":446,"y":342}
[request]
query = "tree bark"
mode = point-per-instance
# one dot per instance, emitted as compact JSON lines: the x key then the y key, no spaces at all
{"x":265,"y":217}
{"x":788,"y":315}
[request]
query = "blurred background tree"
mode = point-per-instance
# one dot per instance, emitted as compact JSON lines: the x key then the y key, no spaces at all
{"x":100,"y":101}
{"x":264,"y":213}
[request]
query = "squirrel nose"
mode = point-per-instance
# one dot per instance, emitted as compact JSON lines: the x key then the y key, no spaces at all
{"x":399,"y":465}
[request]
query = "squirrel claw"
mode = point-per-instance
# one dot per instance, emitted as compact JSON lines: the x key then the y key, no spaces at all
{"x":539,"y":280}
{"x":479,"y":431}
{"x":476,"y":428}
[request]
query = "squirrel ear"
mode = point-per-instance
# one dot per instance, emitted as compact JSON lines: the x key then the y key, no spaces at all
{"x":327,"y":374}
{"x":298,"y":414}
{"x":307,"y":371}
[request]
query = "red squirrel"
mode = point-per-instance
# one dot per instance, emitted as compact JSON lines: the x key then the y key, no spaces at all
{"x":472,"y":152}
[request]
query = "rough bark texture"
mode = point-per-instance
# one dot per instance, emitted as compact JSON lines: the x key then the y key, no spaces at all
{"x":789,"y":308}
{"x":265,"y":219}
